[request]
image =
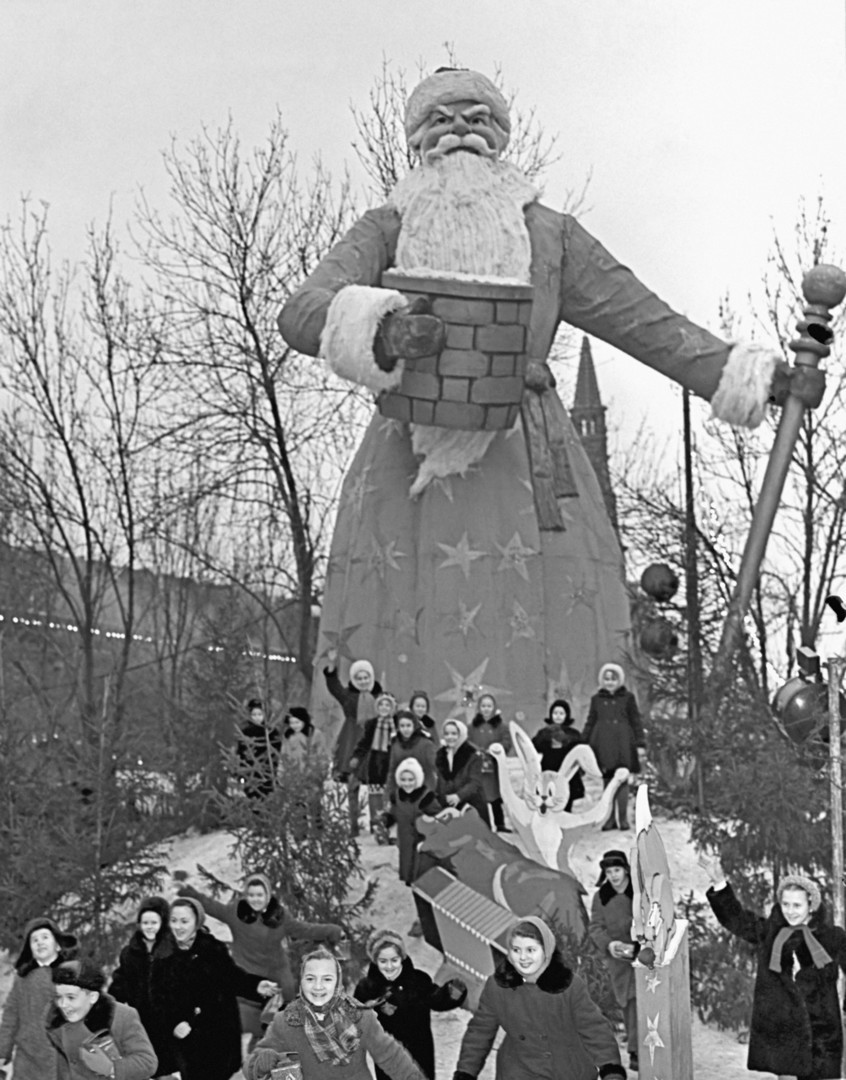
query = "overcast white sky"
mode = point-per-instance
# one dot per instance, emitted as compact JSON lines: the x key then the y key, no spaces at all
{"x":700,"y":122}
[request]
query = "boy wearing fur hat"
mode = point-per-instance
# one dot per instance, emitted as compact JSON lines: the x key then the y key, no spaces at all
{"x":614,"y":733}
{"x":611,"y":932}
{"x":796,"y":1027}
{"x":404,"y":998}
{"x":412,"y":798}
{"x":22,"y":1031}
{"x":91,"y":1032}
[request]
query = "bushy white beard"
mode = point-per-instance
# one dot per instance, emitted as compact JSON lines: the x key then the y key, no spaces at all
{"x":461,"y":214}
{"x":464,"y":214}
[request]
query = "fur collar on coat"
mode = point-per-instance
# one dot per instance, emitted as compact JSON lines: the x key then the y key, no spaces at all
{"x":272,"y":916}
{"x":99,"y":1018}
{"x":554,"y":980}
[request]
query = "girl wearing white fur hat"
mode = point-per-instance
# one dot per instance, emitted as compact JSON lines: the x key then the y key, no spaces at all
{"x":411,"y":799}
{"x":615,"y":734}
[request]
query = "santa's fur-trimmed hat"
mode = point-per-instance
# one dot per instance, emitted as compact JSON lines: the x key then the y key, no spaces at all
{"x":446,"y":86}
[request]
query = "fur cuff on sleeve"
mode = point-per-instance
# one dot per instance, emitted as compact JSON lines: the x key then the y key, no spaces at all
{"x":744,"y":388}
{"x":347,"y":339}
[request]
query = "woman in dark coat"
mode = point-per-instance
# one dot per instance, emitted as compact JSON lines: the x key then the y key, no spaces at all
{"x":554,"y":742}
{"x":194,"y":992}
{"x":487,"y":728}
{"x":22,"y":1030}
{"x":404,"y":998}
{"x":553,"y":1029}
{"x":357,"y":700}
{"x":796,"y":1027}
{"x":614,"y":733}
{"x":132,"y":980}
{"x":459,"y":768}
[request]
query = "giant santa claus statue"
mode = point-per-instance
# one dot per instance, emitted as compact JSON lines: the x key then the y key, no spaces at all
{"x":465,"y":560}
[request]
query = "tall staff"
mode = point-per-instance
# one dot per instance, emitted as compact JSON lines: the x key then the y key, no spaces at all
{"x":823,"y":288}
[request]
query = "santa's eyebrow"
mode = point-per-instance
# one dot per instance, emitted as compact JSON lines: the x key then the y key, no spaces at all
{"x":476,"y":110}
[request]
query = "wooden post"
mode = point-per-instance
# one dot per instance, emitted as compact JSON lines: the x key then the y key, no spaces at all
{"x":664,"y":1024}
{"x":836,"y":666}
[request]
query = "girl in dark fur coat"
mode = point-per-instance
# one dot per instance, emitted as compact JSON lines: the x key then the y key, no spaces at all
{"x":553,"y":1030}
{"x":132,"y":980}
{"x":796,"y":1024}
{"x":459,"y":768}
{"x":404,"y":998}
{"x":487,"y":728}
{"x":554,"y":742}
{"x":412,"y":799}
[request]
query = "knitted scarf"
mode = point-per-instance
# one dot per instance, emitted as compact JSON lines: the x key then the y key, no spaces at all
{"x":383,"y":733}
{"x":336,"y":1038}
{"x":818,"y":954}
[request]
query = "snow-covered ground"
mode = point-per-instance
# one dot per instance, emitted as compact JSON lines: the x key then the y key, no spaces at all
{"x":716,"y":1055}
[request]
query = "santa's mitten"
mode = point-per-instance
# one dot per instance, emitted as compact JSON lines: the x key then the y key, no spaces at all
{"x":410,"y":333}
{"x":462,"y":1076}
{"x":612,"y":1070}
{"x":264,"y":1060}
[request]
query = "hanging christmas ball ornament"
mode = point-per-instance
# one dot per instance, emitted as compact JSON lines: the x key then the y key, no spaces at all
{"x":801,"y":708}
{"x":660,"y":582}
{"x":659,"y":639}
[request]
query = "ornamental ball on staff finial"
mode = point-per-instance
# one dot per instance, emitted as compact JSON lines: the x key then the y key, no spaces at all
{"x":824,"y":285}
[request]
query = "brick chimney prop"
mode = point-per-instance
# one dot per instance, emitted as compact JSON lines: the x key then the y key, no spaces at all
{"x":476,"y":382}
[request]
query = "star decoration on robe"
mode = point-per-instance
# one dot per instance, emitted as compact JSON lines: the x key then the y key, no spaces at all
{"x":407,"y":623}
{"x":652,"y":981}
{"x":520,"y":623}
{"x":461,"y":555}
{"x":465,"y":621}
{"x":339,"y":641}
{"x":579,"y":595}
{"x":653,"y":1040}
{"x":444,"y":484}
{"x":514,"y":556}
{"x":382,"y":557}
{"x":356,"y":494}
{"x":389,"y":427}
{"x":465,"y":689}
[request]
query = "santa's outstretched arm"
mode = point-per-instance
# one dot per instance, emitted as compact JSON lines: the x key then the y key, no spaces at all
{"x":604,"y":298}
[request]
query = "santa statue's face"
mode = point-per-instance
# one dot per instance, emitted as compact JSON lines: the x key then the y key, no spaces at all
{"x":459,"y":126}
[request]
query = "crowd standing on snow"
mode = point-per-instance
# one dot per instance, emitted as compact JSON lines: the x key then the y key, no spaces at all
{"x":181,"y":1001}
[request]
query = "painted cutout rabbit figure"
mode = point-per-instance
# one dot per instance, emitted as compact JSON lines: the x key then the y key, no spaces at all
{"x":545,"y":829}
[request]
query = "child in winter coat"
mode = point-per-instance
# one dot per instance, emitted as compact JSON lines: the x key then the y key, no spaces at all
{"x":553,"y":1030}
{"x":357,"y":699}
{"x":132,"y":980}
{"x":419,"y":704}
{"x":614,"y":733}
{"x":611,"y":932}
{"x":410,"y":741}
{"x":404,"y":998}
{"x":370,"y":760}
{"x":487,"y":728}
{"x":554,"y":742}
{"x":22,"y":1030}
{"x":261,"y":929}
{"x":796,"y":1027}
{"x":412,"y":798}
{"x":459,"y":767}
{"x":301,"y":741}
{"x":330,"y":1032}
{"x":92,"y":1034}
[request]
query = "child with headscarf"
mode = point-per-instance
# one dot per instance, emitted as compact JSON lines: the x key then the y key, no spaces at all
{"x":358,"y":701}
{"x":328,"y":1033}
{"x":554,"y":742}
{"x":611,"y":932}
{"x":614,"y":732}
{"x":404,"y":997}
{"x":370,"y":760}
{"x":486,"y":728}
{"x":796,"y":1027}
{"x":412,"y":799}
{"x":459,"y":768}
{"x":553,"y":1029}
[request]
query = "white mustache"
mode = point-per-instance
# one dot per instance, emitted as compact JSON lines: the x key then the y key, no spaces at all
{"x":451,"y":141}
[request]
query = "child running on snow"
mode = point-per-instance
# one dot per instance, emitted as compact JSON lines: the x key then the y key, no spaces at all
{"x":614,"y":733}
{"x":553,"y":1029}
{"x":404,"y":998}
{"x":329,"y":1032}
{"x":412,"y":798}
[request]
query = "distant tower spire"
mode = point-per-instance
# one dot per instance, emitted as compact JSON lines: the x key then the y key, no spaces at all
{"x":588,"y":416}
